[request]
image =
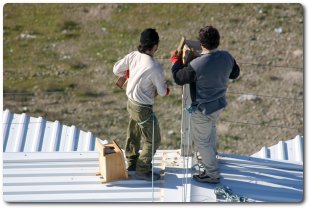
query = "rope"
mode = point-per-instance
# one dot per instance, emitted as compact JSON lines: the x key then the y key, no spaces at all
{"x":228,"y":194}
{"x":185,"y":158}
{"x":183,"y":192}
{"x":153,"y":114}
{"x":187,"y":151}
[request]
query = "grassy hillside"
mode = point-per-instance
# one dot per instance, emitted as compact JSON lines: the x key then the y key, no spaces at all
{"x":58,"y":61}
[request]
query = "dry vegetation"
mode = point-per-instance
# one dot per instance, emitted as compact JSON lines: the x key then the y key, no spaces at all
{"x":58,"y":61}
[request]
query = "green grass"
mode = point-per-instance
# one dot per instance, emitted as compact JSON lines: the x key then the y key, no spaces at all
{"x":76,"y":46}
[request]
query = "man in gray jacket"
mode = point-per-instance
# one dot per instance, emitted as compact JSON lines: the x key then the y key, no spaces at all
{"x":208,"y":76}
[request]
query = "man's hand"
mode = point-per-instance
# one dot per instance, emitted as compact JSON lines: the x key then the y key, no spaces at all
{"x":167,"y":91}
{"x":176,"y":57}
{"x":126,"y":74}
{"x":156,"y":93}
{"x":189,"y":56}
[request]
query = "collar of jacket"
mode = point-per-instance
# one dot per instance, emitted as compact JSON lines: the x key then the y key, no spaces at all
{"x":210,"y":51}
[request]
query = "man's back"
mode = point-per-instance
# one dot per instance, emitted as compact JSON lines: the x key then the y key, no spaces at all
{"x":212,"y":75}
{"x":145,"y":77}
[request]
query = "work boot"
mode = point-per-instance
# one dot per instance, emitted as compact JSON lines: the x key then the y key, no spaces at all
{"x":147,"y":176}
{"x":131,"y":169}
{"x":204,"y":178}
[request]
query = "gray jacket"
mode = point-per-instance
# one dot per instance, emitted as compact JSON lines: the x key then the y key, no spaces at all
{"x":208,"y":76}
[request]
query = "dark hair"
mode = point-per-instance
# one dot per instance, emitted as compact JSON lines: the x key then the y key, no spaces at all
{"x":209,"y":37}
{"x":148,"y":39}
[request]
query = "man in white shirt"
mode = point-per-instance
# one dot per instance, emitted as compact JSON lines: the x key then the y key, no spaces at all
{"x":146,"y":80}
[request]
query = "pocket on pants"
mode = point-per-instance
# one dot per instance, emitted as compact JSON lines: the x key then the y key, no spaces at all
{"x":140,"y":114}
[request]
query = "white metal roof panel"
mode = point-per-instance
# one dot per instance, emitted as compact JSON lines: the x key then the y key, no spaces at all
{"x":260,"y":180}
{"x":22,"y":133}
{"x":70,"y":177}
{"x":50,"y":162}
{"x":290,"y":150}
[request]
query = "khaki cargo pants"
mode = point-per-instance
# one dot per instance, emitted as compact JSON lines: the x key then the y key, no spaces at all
{"x":203,"y":133}
{"x":140,"y":127}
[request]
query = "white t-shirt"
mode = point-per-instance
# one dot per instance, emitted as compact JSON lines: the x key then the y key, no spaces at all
{"x":145,"y":77}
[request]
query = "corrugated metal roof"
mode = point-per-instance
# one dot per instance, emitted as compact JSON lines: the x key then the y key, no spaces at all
{"x":260,"y":180}
{"x":49,"y":162}
{"x":71,"y":177}
{"x":22,"y":133}
{"x":290,"y":150}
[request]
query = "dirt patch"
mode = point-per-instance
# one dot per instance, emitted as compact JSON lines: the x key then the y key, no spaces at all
{"x":293,"y":77}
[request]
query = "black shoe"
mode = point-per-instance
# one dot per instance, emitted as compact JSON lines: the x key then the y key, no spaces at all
{"x":131,"y":168}
{"x":147,"y":176}
{"x":204,"y":178}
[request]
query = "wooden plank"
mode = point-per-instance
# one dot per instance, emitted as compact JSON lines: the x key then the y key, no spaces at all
{"x":121,"y":82}
{"x":180,"y":46}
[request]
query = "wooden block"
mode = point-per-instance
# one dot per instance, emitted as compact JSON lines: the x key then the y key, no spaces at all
{"x":111,"y":162}
{"x":121,"y":82}
{"x":180,"y":47}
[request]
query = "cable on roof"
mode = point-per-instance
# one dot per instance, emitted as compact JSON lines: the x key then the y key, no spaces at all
{"x":227,"y":193}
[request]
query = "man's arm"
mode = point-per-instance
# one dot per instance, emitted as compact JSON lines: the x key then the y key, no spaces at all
{"x":235,"y":71}
{"x":121,"y":66}
{"x":183,"y":74}
{"x":159,"y":82}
